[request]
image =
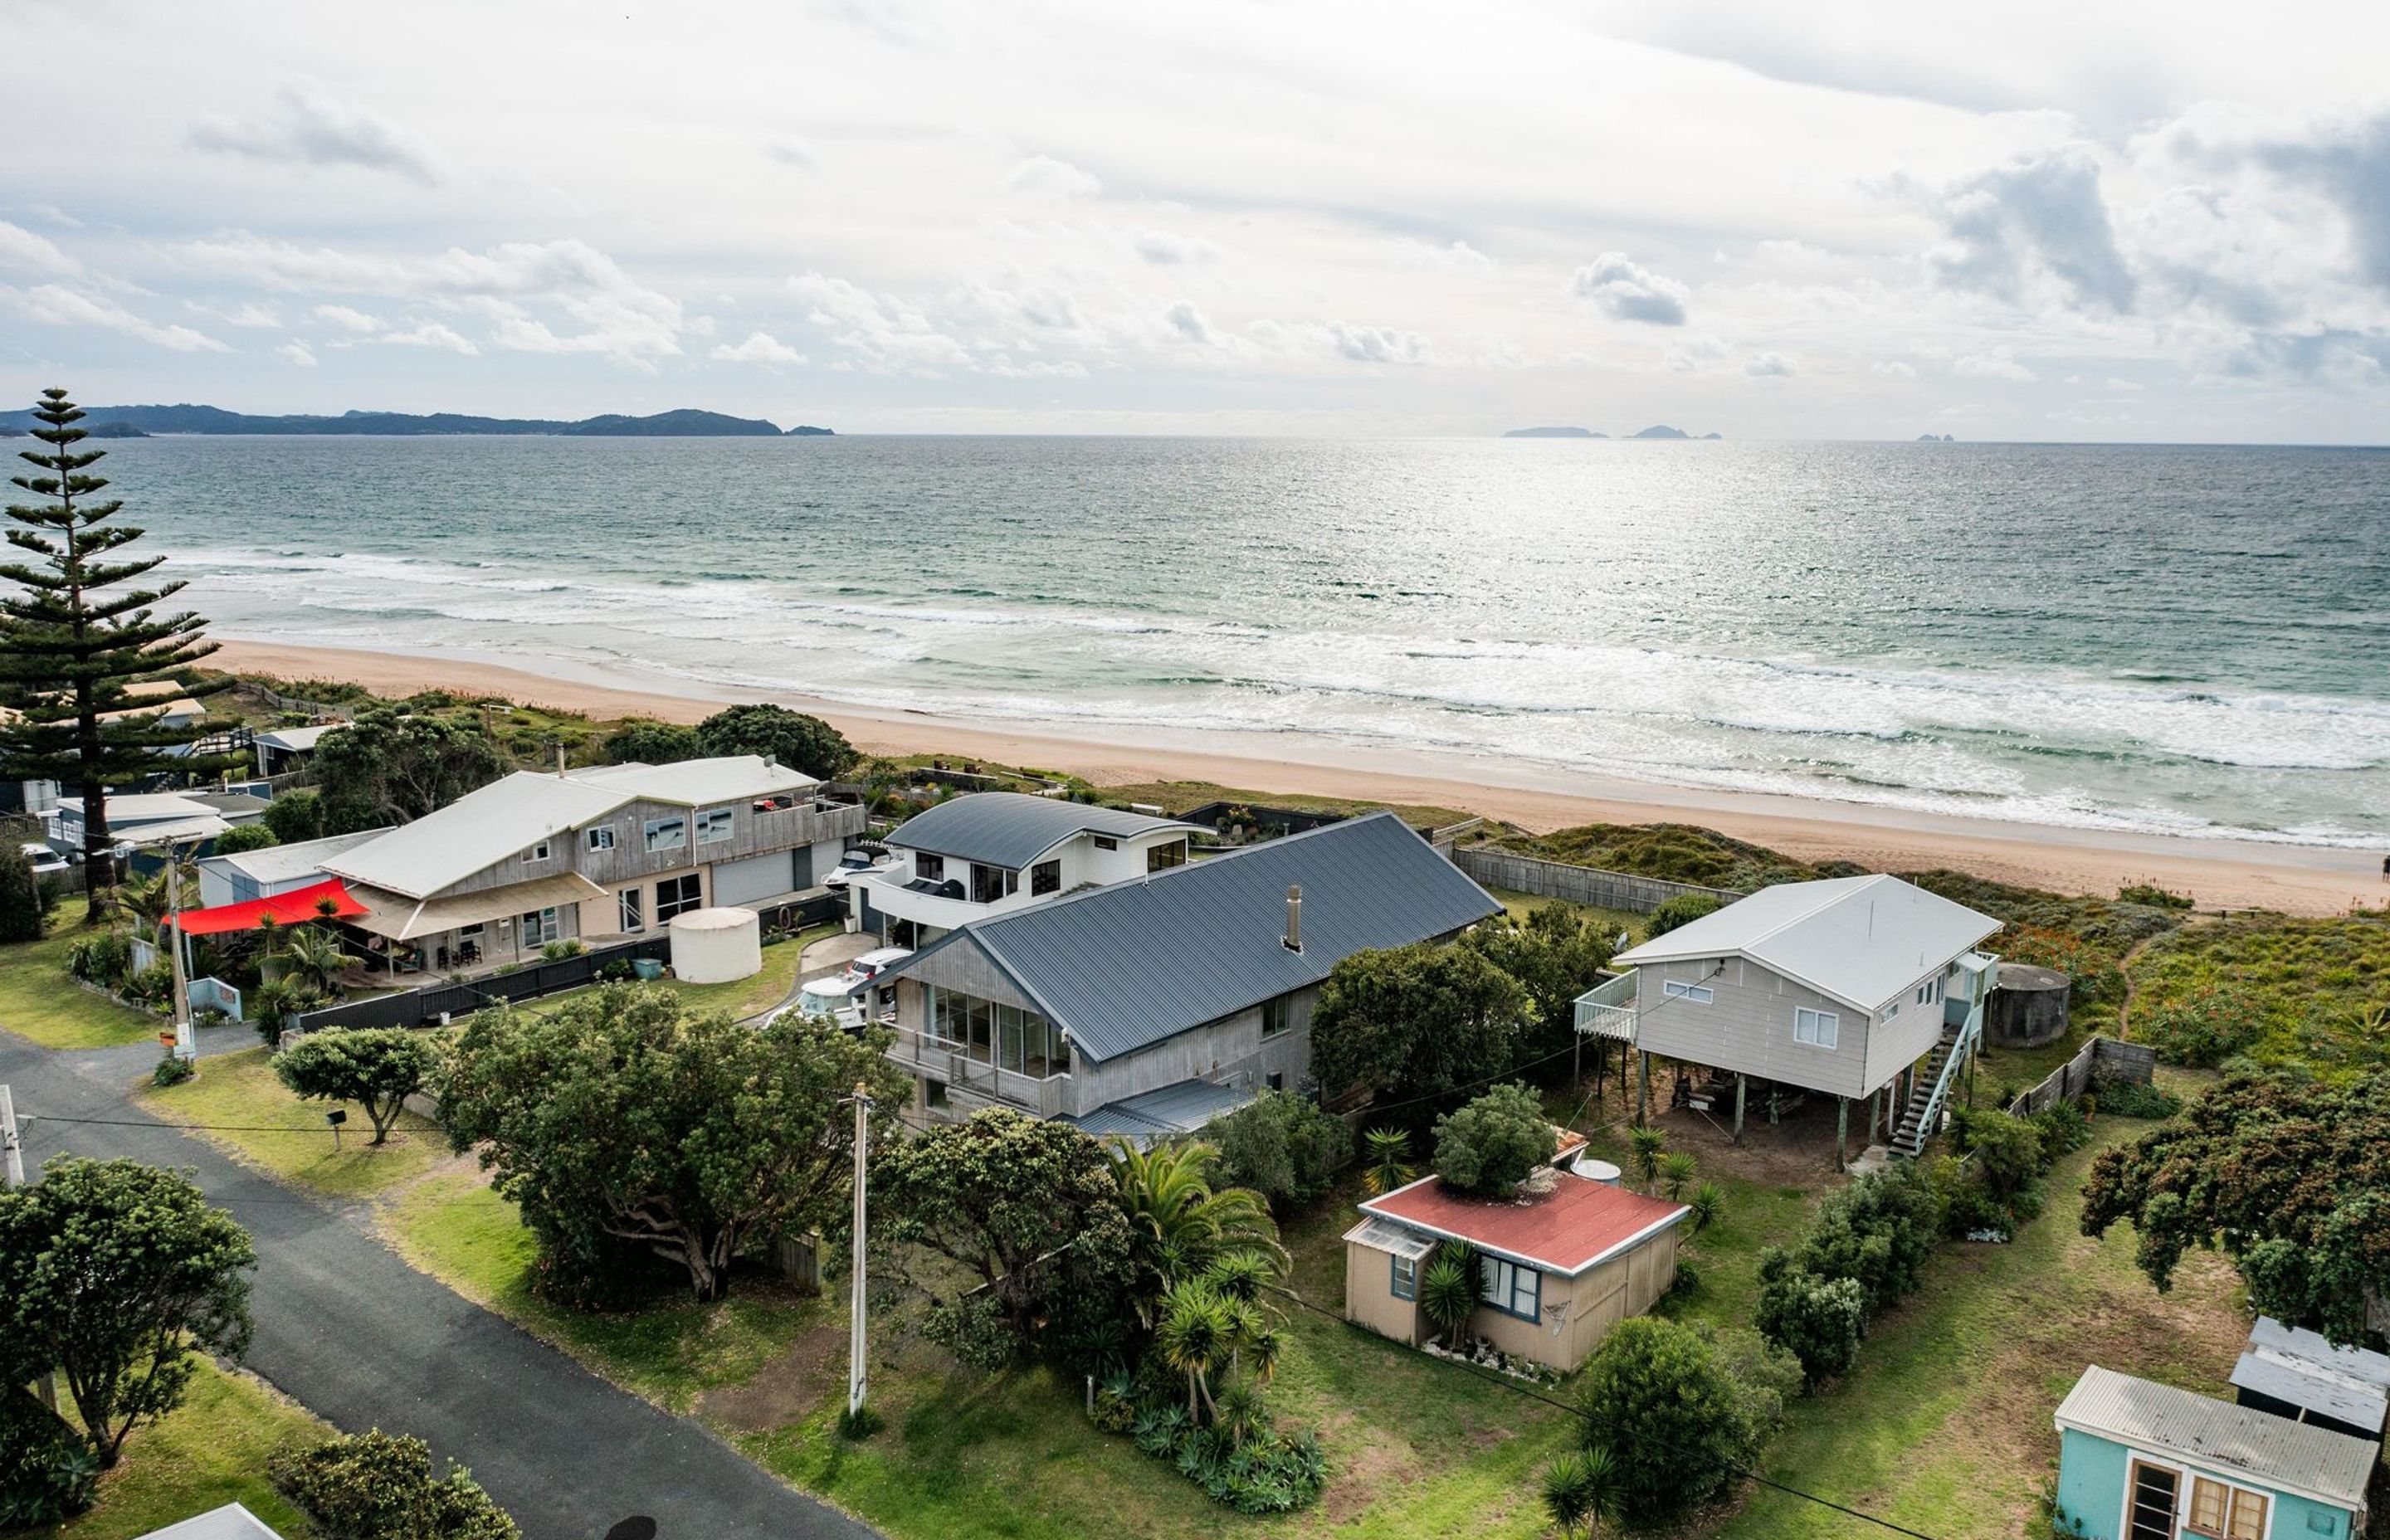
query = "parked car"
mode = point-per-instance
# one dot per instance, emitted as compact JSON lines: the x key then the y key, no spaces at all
{"x":46,"y":862}
{"x":826,"y":997}
{"x":873,"y":963}
{"x":855,"y":861}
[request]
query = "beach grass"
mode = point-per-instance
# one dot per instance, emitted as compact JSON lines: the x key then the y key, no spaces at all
{"x":1177,"y":797}
{"x":2321,"y":987}
{"x":235,"y":1103}
{"x":210,"y":1451}
{"x":44,"y":1003}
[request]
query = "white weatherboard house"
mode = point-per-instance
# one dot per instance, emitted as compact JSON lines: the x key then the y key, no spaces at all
{"x":1862,"y":988}
{"x":606,"y":852}
{"x":992,"y":852}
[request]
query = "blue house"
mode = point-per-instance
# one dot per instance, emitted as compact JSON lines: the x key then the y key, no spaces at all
{"x":2144,"y":1461}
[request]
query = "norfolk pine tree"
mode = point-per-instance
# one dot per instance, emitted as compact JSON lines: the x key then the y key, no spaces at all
{"x":75,"y":631}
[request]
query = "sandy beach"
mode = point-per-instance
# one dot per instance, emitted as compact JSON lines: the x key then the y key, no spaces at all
{"x":2219,"y":873}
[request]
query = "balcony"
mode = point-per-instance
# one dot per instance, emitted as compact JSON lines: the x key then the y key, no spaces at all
{"x":943,"y":1059}
{"x":1607,"y":1008}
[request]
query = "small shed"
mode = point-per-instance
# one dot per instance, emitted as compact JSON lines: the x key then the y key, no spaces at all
{"x":2139,"y":1459}
{"x":231,"y":1521}
{"x":715,"y":946}
{"x":1562,"y":1261}
{"x":2298,"y":1374}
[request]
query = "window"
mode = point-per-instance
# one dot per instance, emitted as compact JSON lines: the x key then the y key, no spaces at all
{"x":989,"y":883}
{"x":1405,"y":1279}
{"x":1273,"y":1081}
{"x":929,"y":868}
{"x":1046,"y":878}
{"x":1676,"y":989}
{"x":1820,"y":1029}
{"x":540,"y":926}
{"x":1513,"y":1289}
{"x":933,"y":1093}
{"x":602,"y":837}
{"x":630,"y":906}
{"x":713,"y":825}
{"x":1930,"y":990}
{"x":677,"y":895}
{"x":2224,"y":1512}
{"x":540,"y":852}
{"x":1163,"y":857}
{"x":667,"y":833}
{"x":1105,"y":842}
{"x":1277,"y":1016}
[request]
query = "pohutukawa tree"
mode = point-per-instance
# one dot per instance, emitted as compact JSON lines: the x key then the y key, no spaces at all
{"x":79,"y":628}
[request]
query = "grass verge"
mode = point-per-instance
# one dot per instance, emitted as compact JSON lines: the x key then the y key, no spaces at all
{"x":242,"y":1108}
{"x":210,"y":1451}
{"x":42,"y":1001}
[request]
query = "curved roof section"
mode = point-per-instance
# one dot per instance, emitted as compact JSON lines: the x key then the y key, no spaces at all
{"x":1012,"y":829}
{"x":1127,"y":965}
{"x":1862,"y":939}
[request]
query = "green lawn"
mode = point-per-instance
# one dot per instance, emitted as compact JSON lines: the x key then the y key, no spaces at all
{"x":261,"y":1123}
{"x":745,"y":997}
{"x":41,"y":1001}
{"x":210,"y":1451}
{"x":1520,"y":905}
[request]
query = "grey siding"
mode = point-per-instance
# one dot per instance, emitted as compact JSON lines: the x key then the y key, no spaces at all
{"x":962,"y":967}
{"x":1747,"y":1027}
{"x":756,"y":877}
{"x":752,"y":833}
{"x":1220,"y":1051}
{"x":1909,"y":1035}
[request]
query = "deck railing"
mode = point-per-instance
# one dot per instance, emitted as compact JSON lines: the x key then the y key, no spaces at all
{"x":1047,"y":1096}
{"x":1607,"y":1008}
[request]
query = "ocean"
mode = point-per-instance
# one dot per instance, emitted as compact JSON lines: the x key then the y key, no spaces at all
{"x":2191,"y":640}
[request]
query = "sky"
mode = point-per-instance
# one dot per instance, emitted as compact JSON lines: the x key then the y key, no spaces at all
{"x":2128,"y":220}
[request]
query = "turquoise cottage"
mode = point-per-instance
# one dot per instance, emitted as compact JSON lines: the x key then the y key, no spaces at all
{"x":2143,"y":1461}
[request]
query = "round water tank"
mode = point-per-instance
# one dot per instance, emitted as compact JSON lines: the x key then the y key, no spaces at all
{"x":2029,"y":1007}
{"x":713,"y":946}
{"x":1604,"y":1172}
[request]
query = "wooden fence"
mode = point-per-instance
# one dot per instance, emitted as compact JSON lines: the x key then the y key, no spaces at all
{"x":1605,"y":890}
{"x":2101,"y":1059}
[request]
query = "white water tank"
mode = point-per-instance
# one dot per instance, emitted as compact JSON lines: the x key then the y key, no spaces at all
{"x":1592,"y":1169}
{"x":713,"y":946}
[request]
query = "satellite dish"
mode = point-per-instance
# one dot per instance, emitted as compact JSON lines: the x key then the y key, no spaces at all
{"x":637,"y":1527}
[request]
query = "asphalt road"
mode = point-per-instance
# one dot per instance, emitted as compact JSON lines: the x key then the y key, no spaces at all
{"x":364,"y":1340}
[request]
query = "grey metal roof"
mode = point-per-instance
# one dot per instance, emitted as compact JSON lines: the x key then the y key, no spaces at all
{"x":231,"y":1521}
{"x":2302,"y":1367}
{"x":1012,"y":829}
{"x":1124,"y":966}
{"x":1164,"y":1113}
{"x":2235,"y":1441}
{"x":283,"y":863}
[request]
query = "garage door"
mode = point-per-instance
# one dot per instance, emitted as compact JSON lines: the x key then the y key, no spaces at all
{"x":756,"y":877}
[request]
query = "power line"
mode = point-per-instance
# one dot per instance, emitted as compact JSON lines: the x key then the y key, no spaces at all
{"x":183,"y":1127}
{"x":1506,"y":1382}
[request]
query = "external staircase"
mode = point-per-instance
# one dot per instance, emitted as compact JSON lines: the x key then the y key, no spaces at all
{"x":1930,"y":1091}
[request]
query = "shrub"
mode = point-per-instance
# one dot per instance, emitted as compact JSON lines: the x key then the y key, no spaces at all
{"x":1820,"y":1321}
{"x":47,"y":1469}
{"x":170,"y":1070}
{"x":241,"y":837}
{"x":100,"y":959}
{"x":1281,"y":1145}
{"x":2008,"y":1153}
{"x":2152,"y":895}
{"x":1707,"y":1202}
{"x":295,"y":817}
{"x":2127,"y":1098}
{"x":380,"y":1486}
{"x":2064,"y":1129}
{"x":23,"y":915}
{"x":1877,"y":1231}
{"x":1489,"y":1146}
{"x":2201,"y":1030}
{"x":1680,"y":1410}
{"x":1683,"y":909}
{"x":557,"y":950}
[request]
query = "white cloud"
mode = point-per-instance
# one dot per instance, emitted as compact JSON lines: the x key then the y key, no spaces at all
{"x":353,"y":321}
{"x":24,"y":253}
{"x":1455,"y":257}
{"x":296,"y":352}
{"x":57,"y":305}
{"x":1044,"y":177}
{"x":1624,"y":291}
{"x":303,"y":125}
{"x":884,"y":335}
{"x":793,"y":152}
{"x":1892,"y":368}
{"x":1166,"y":249}
{"x":2040,"y":213}
{"x":1998,"y":364}
{"x":1770,"y":364}
{"x":430,"y":334}
{"x":761,"y":347}
{"x":1187,"y":322}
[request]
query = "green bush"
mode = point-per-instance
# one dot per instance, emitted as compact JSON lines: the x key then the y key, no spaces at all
{"x":1241,"y":1461}
{"x":380,"y":1486}
{"x":2007,"y":1154}
{"x":101,"y":959}
{"x":1281,"y":1145}
{"x":241,"y":837}
{"x":2126,"y":1098}
{"x":170,"y":1070}
{"x":1683,"y":909}
{"x":1818,"y":1321}
{"x":23,"y":915}
{"x":1489,"y":1146}
{"x":295,"y":817}
{"x":2201,"y":1030}
{"x":2152,"y":896}
{"x":1877,"y":1231}
{"x":47,"y":1469}
{"x":1680,"y":1409}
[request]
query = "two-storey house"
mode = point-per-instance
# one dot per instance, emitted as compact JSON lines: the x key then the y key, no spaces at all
{"x":993,"y":851}
{"x":1148,"y":1006}
{"x":1868,"y":989}
{"x":599,"y":854}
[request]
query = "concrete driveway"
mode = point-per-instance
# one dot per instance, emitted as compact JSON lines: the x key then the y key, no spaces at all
{"x":364,"y":1340}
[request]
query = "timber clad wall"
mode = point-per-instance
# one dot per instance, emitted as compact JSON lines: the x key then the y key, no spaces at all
{"x":1747,"y":1026}
{"x":752,"y":833}
{"x":1605,"y":890}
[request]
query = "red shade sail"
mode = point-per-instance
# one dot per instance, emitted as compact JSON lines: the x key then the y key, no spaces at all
{"x":295,"y":907}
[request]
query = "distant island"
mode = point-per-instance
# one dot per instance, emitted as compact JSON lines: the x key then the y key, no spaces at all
{"x":684,"y":423}
{"x":1554,"y":434}
{"x":1935,"y":438}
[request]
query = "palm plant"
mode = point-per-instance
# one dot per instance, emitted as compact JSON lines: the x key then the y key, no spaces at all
{"x":1581,"y":1488}
{"x":1447,"y":1292}
{"x":1707,"y":1202}
{"x":267,"y":1004}
{"x":1649,"y":1143}
{"x":1677,"y":1171}
{"x":1180,"y":1223}
{"x":1387,"y":1152}
{"x":315,"y":955}
{"x":1206,"y":1334}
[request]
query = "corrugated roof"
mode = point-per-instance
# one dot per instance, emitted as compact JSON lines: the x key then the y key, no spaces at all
{"x":1163,"y":1113}
{"x":231,"y":1521}
{"x":2268,"y":1450}
{"x":1012,"y":829}
{"x":1123,"y":967}
{"x":282,"y":863}
{"x":509,"y":815}
{"x":298,"y":739}
{"x":2290,"y":1364}
{"x":1384,"y":1235}
{"x":1862,"y":939}
{"x":1567,"y":1228}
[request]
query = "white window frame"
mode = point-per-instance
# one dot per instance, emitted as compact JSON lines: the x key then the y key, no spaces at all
{"x":1816,"y":1029}
{"x":662,"y":834}
{"x":631,"y":904}
{"x":1678,"y":989}
{"x":539,"y":928}
{"x":711,"y":819}
{"x":601,"y":837}
{"x":542,"y":850}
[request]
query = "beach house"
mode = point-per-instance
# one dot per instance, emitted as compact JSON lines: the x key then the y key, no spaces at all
{"x":2143,"y":1461}
{"x":1149,"y":1006}
{"x":2295,"y":1373}
{"x":992,"y":852}
{"x":1866,"y":989}
{"x":1558,"y":1264}
{"x":589,"y":854}
{"x":247,"y":875}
